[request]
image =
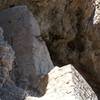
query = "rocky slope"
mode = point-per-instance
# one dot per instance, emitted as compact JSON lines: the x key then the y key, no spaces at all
{"x":70,"y":29}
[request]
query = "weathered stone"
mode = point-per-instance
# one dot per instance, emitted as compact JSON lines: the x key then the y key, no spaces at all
{"x":23,"y":33}
{"x":66,"y":83}
{"x":6,"y":60}
{"x":8,"y":90}
{"x":71,"y":31}
{"x":12,"y":93}
{"x":96,"y":18}
{"x":96,"y":42}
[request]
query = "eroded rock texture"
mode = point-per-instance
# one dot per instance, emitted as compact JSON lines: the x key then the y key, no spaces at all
{"x":66,"y":84}
{"x":23,"y":33}
{"x":8,"y":90}
{"x":67,"y":28}
{"x":6,"y":60}
{"x":71,"y":31}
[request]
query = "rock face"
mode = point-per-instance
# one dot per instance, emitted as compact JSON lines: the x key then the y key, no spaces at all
{"x":70,"y":29}
{"x":67,"y":27}
{"x":23,"y":33}
{"x":6,"y":59}
{"x":8,"y":90}
{"x":66,"y":84}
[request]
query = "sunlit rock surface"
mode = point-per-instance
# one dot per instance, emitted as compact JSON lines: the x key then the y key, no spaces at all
{"x":66,"y":83}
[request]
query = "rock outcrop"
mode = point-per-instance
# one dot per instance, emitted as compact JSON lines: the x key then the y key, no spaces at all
{"x":70,"y":29}
{"x":66,"y":84}
{"x":8,"y":90}
{"x":23,"y":33}
{"x":6,"y":60}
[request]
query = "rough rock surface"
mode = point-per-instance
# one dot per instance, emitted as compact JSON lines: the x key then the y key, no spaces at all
{"x":23,"y":33}
{"x":6,"y":59}
{"x":66,"y":84}
{"x":8,"y":90}
{"x":71,"y":31}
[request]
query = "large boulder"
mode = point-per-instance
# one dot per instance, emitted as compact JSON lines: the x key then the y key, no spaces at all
{"x":23,"y":33}
{"x":66,"y":83}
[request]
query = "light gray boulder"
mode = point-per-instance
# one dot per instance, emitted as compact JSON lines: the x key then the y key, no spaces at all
{"x":66,"y":83}
{"x":23,"y":33}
